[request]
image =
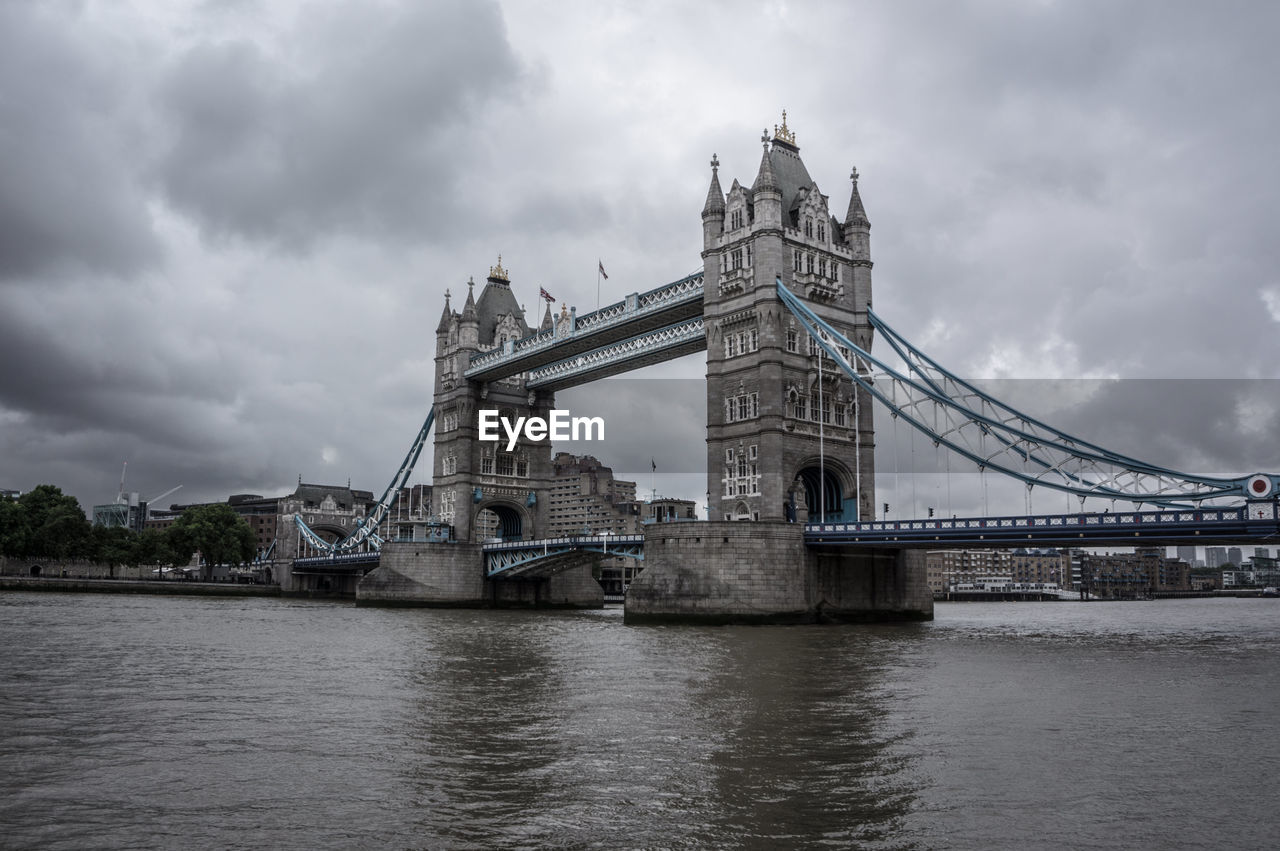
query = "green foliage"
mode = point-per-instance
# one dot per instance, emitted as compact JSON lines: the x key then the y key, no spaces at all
{"x":221,"y":535}
{"x":152,"y":547}
{"x":57,"y":527}
{"x":14,"y":529}
{"x":114,"y":545}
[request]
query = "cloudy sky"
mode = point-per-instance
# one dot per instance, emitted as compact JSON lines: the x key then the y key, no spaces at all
{"x":226,"y":228}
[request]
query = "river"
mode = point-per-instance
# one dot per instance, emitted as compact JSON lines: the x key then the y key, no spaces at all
{"x":166,"y":722}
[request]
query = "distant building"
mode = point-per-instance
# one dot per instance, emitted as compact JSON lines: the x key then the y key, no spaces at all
{"x":1041,"y":565}
{"x":1215,"y":556}
{"x":1188,"y":554}
{"x":128,"y":512}
{"x":944,"y":568}
{"x":1235,"y":555}
{"x":667,"y":510}
{"x":1134,"y":575}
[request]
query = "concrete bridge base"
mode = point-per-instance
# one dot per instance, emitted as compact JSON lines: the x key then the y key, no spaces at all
{"x":442,"y":575}
{"x":761,"y":572}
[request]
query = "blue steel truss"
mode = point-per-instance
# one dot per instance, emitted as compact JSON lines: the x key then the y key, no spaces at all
{"x":995,"y":436}
{"x":1256,"y":522}
{"x":639,"y":312}
{"x":673,"y":341}
{"x":551,"y":555}
{"x":366,"y":531}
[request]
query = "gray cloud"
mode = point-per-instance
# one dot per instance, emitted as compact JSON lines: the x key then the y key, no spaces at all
{"x":364,"y":129}
{"x":71,"y":148}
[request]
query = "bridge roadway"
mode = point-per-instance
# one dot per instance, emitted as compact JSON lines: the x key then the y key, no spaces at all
{"x":1256,"y":523}
{"x":1123,"y":528}
{"x":667,"y":308}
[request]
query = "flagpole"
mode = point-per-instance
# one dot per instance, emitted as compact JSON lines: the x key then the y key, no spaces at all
{"x":599,"y":266}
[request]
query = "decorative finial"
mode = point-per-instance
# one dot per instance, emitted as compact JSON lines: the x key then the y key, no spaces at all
{"x":853,"y":175}
{"x":471,"y":282}
{"x":564,"y":310}
{"x":782,"y":132}
{"x":497,"y":273}
{"x":764,"y":136}
{"x":446,"y":296}
{"x":715,"y":162}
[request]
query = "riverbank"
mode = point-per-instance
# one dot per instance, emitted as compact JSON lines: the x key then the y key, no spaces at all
{"x":137,"y":586}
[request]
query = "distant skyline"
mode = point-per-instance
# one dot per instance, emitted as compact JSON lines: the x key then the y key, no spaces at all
{"x":226,"y":229}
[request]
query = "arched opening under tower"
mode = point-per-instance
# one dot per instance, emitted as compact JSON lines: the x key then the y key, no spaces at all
{"x":498,"y":520}
{"x":824,"y":491}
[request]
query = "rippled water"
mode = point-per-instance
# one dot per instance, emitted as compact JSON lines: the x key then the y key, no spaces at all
{"x":192,"y":722}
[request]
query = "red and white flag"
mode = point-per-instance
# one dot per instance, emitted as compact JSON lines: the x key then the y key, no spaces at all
{"x":546,"y":295}
{"x":603,"y":273}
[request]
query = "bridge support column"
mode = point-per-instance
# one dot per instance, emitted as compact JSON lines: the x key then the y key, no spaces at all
{"x":452,"y":575}
{"x":746,"y":572}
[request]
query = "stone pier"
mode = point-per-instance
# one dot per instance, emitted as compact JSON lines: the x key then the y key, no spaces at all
{"x":761,"y":572}
{"x":452,"y":575}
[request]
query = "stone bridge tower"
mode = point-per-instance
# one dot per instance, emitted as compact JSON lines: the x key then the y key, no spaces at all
{"x":480,"y":487}
{"x":765,"y":404}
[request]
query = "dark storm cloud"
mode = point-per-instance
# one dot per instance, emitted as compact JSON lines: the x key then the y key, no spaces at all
{"x":366,"y":126}
{"x":71,"y":145}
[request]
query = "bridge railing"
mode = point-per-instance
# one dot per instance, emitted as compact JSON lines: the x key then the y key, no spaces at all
{"x":635,"y":305}
{"x":1091,"y":520}
{"x":569,"y":541}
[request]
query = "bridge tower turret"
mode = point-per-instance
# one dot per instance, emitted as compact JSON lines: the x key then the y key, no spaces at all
{"x":782,"y":442}
{"x":471,"y":476}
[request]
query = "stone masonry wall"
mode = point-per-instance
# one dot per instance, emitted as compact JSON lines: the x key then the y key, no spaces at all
{"x":740,"y":572}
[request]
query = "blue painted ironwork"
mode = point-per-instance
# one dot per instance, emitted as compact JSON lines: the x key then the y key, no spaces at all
{"x":957,"y":415}
{"x":639,"y":312}
{"x":1124,"y":528}
{"x":666,"y":343}
{"x":360,"y":562}
{"x":551,"y":555}
{"x":366,"y":531}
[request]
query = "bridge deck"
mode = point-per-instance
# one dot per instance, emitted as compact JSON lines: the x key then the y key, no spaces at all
{"x":637,"y":314}
{"x":1125,"y":528}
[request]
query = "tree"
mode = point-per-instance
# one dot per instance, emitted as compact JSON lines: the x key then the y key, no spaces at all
{"x":221,"y":536}
{"x":152,"y":547}
{"x":58,"y":527}
{"x":14,"y":529}
{"x":114,"y":545}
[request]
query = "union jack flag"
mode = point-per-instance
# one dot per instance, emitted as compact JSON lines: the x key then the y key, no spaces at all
{"x":546,"y":295}
{"x":603,"y":273}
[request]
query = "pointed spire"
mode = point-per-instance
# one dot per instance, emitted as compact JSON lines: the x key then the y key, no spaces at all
{"x":857,"y":215}
{"x":765,"y":179}
{"x":546,"y":318}
{"x":445,"y":316}
{"x":469,"y":309}
{"x":715,"y":197}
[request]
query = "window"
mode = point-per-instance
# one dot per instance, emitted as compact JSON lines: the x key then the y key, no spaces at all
{"x":808,"y":262}
{"x":735,"y":220}
{"x":822,"y":267}
{"x":730,"y":346}
{"x":486,"y":465}
{"x":748,"y":249}
{"x":522,"y":466}
{"x":822,"y":232}
{"x":800,"y":408}
{"x":506,"y":464}
{"x":744,"y":406}
{"x":755,"y":339}
{"x":795,"y":257}
{"x":446,"y":506}
{"x":808,"y":227}
{"x":793,"y":344}
{"x":840,"y":414}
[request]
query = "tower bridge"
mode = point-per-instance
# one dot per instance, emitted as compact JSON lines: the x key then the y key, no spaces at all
{"x":783,"y":309}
